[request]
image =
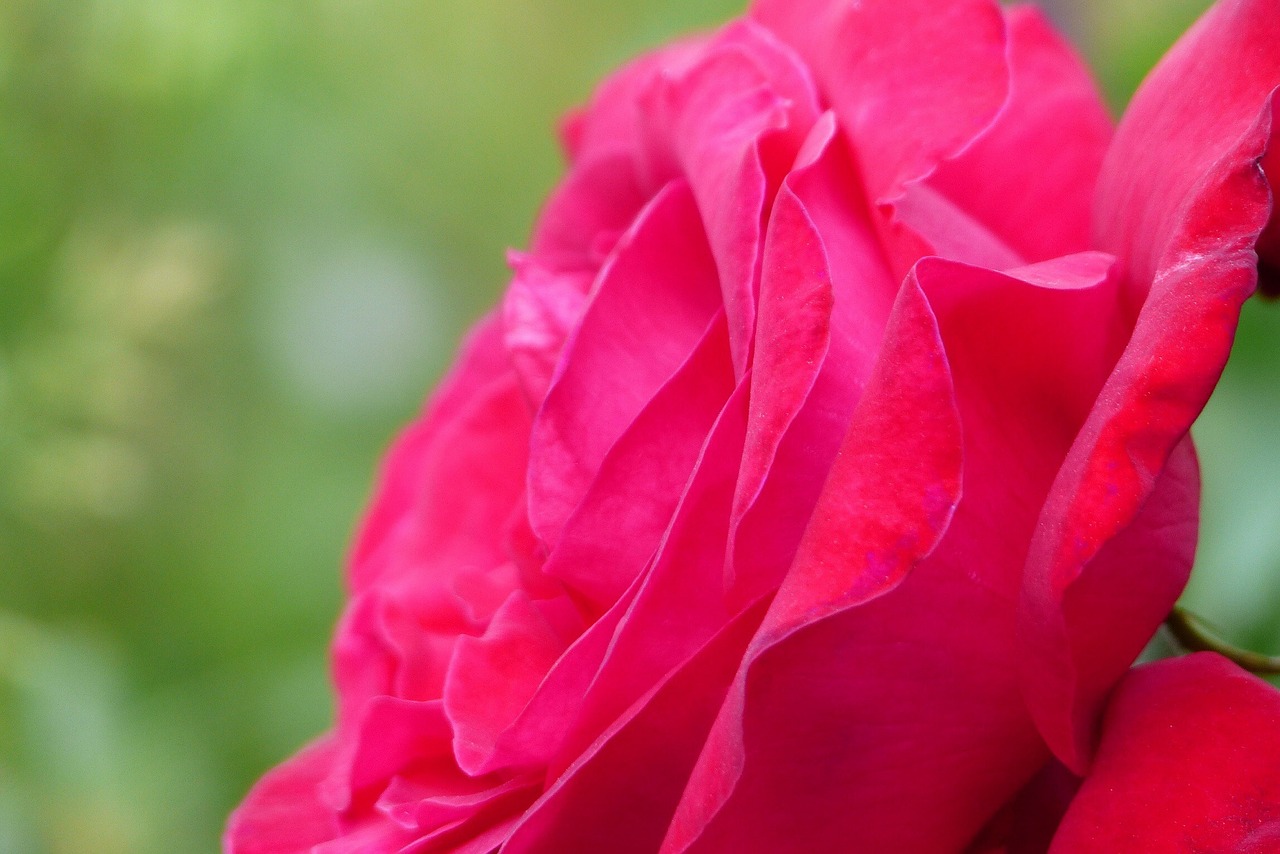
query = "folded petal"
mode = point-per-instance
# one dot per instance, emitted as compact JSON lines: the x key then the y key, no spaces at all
{"x":1042,"y":152}
{"x":851,"y":554}
{"x":1189,"y":761}
{"x":492,"y":677}
{"x":654,"y":301}
{"x":825,"y":298}
{"x":1182,"y":199}
{"x":731,"y":124}
{"x":880,"y":695}
{"x":618,"y":796}
{"x":609,"y":539}
{"x":911,"y":80}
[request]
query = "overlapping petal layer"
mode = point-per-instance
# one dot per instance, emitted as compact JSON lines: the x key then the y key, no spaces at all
{"x":815,"y":480}
{"x":1183,"y":201}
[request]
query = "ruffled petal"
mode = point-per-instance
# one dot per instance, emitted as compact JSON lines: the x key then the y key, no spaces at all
{"x":928,"y":728}
{"x":899,"y":532}
{"x":482,"y":360}
{"x":911,"y":80}
{"x":609,"y":539}
{"x":492,"y":677}
{"x":1182,"y":199}
{"x":618,"y":796}
{"x":825,"y":298}
{"x":1029,"y":178}
{"x":653,"y":304}
{"x":731,"y":124}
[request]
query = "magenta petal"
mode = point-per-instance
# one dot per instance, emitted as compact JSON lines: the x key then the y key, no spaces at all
{"x":539,"y":310}
{"x":848,"y":555}
{"x":1183,"y":201}
{"x":912,"y":80}
{"x":611,"y":536}
{"x":448,"y":484}
{"x":600,"y":195}
{"x":492,"y":677}
{"x":1189,"y":761}
{"x":653,"y":303}
{"x":482,"y":361}
{"x":680,"y":603}
{"x":737,"y":114}
{"x":826,"y":294}
{"x":620,"y":794}
{"x":928,"y":729}
{"x":283,"y":813}
{"x":389,"y":736}
{"x":1042,"y":152}
{"x":1027,"y":823}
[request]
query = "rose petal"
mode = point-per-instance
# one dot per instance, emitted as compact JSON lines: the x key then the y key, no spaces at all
{"x":492,"y":677}
{"x":618,"y":796}
{"x":825,"y":298}
{"x":1189,"y":761}
{"x":680,"y":602}
{"x":481,"y":361}
{"x":283,"y":812}
{"x":1026,"y":824}
{"x":1042,"y":152}
{"x":615,"y":530}
{"x":539,"y":311}
{"x":912,"y":81}
{"x":731,"y":123}
{"x":913,"y":352}
{"x":928,"y":727}
{"x":1182,"y":200}
{"x":654,"y":302}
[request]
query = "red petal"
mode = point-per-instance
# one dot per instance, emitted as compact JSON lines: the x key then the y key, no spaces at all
{"x":883,"y":708}
{"x":1030,"y":176}
{"x":1182,"y":201}
{"x":1189,"y":761}
{"x":911,"y":80}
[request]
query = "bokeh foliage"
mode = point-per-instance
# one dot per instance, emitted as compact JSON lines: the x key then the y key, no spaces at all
{"x":238,"y":240}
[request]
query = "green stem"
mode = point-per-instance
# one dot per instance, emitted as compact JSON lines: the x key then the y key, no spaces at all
{"x":1193,"y":634}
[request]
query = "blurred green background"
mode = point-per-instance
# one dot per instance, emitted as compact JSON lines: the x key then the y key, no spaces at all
{"x":238,"y":241}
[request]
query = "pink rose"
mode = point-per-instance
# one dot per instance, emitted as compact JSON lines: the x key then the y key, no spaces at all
{"x":818,"y":477}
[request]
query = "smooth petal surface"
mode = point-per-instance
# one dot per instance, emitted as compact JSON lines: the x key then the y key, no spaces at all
{"x":1027,"y":824}
{"x":934,"y":686}
{"x":283,"y":812}
{"x":1182,"y":200}
{"x":1189,"y":761}
{"x":825,"y":299}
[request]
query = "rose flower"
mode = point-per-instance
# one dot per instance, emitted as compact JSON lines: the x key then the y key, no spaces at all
{"x":826,"y":463}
